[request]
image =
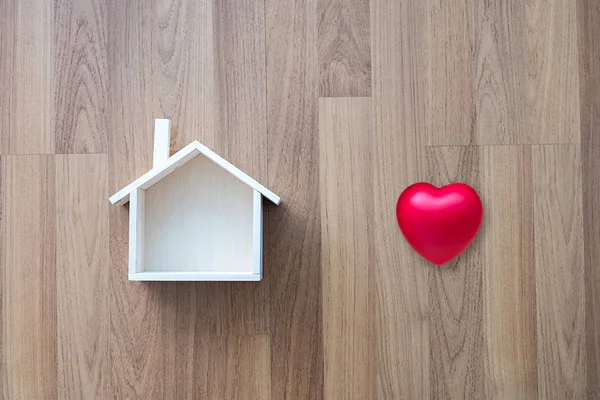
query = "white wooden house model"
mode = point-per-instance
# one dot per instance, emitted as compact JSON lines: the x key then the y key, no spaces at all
{"x":193,"y":217}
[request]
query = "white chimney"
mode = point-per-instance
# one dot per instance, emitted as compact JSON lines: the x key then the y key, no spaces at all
{"x":162,"y":141}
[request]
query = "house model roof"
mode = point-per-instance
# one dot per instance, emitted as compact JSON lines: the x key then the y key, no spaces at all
{"x":177,"y":160}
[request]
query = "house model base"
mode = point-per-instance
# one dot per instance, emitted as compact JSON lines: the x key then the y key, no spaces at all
{"x":194,"y":217}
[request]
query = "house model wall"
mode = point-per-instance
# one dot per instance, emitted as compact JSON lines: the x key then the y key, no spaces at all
{"x":194,"y":217}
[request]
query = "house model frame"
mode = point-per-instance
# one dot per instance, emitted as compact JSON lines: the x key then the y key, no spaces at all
{"x":194,"y":217}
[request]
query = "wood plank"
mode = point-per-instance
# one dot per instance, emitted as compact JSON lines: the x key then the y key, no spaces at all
{"x":501,"y":77}
{"x":344,"y":48}
{"x":240,"y":131}
{"x":589,"y":74}
{"x":223,"y":308}
{"x":3,"y":372}
{"x":239,"y":135}
{"x":29,"y":278}
{"x":509,"y":318}
{"x":346,"y":187}
{"x":399,"y":289}
{"x":219,"y":367}
{"x":450,"y":32}
{"x":132,"y":94}
{"x":186,"y":354}
{"x":292,"y":230}
{"x":196,"y":316}
{"x":136,"y":310}
{"x":455,"y":292}
{"x":239,"y":36}
{"x":82,"y":279}
{"x":26,"y":84}
{"x":559,"y":277}
{"x":212,"y":85}
{"x":553,"y":91}
{"x":187,"y":90}
{"x":80,"y":76}
{"x":526,"y":89}
{"x":239,"y":368}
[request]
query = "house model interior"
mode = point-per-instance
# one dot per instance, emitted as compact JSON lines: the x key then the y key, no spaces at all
{"x":193,"y":217}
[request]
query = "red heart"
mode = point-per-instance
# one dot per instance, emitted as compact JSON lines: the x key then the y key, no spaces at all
{"x":439,"y":223}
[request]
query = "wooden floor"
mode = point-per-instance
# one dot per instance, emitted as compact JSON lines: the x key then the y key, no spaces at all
{"x":337,"y":106}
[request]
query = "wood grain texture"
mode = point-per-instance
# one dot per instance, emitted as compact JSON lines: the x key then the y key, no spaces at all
{"x":240,"y":137}
{"x":346,"y":172}
{"x":553,"y":92}
{"x":130,"y":75}
{"x":3,"y":371}
{"x":187,"y":351}
{"x":589,"y":58}
{"x":82,"y":291}
{"x":450,"y":54}
{"x":29,"y":278}
{"x":344,"y":48}
{"x":212,"y":84}
{"x":26,"y":78}
{"x":509,"y":313}
{"x":560,"y":291}
{"x":240,"y":368}
{"x":241,"y":76}
{"x":136,"y":338}
{"x":80,"y":76}
{"x":293,"y":238}
{"x":455,"y":292}
{"x":238,"y":132}
{"x":400,"y":278}
{"x":526,"y":90}
{"x":501,"y":73}
{"x":187,"y":89}
{"x":194,"y":319}
{"x":503,"y":95}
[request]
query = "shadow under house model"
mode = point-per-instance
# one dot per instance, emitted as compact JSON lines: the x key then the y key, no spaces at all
{"x":193,"y":217}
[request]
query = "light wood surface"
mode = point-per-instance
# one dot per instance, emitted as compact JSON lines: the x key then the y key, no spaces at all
{"x":344,"y":48}
{"x":337,"y":106}
{"x":210,"y":213}
{"x":400,"y":277}
{"x":29,"y":299}
{"x":27,"y":82}
{"x":450,"y":71}
{"x":293,"y":246}
{"x":242,"y":368}
{"x":559,"y":278}
{"x":589,"y":80}
{"x":456,"y":293}
{"x":81,"y":80}
{"x":82,"y":286}
{"x":502,"y":79}
{"x":346,"y":246}
{"x":509,"y":315}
